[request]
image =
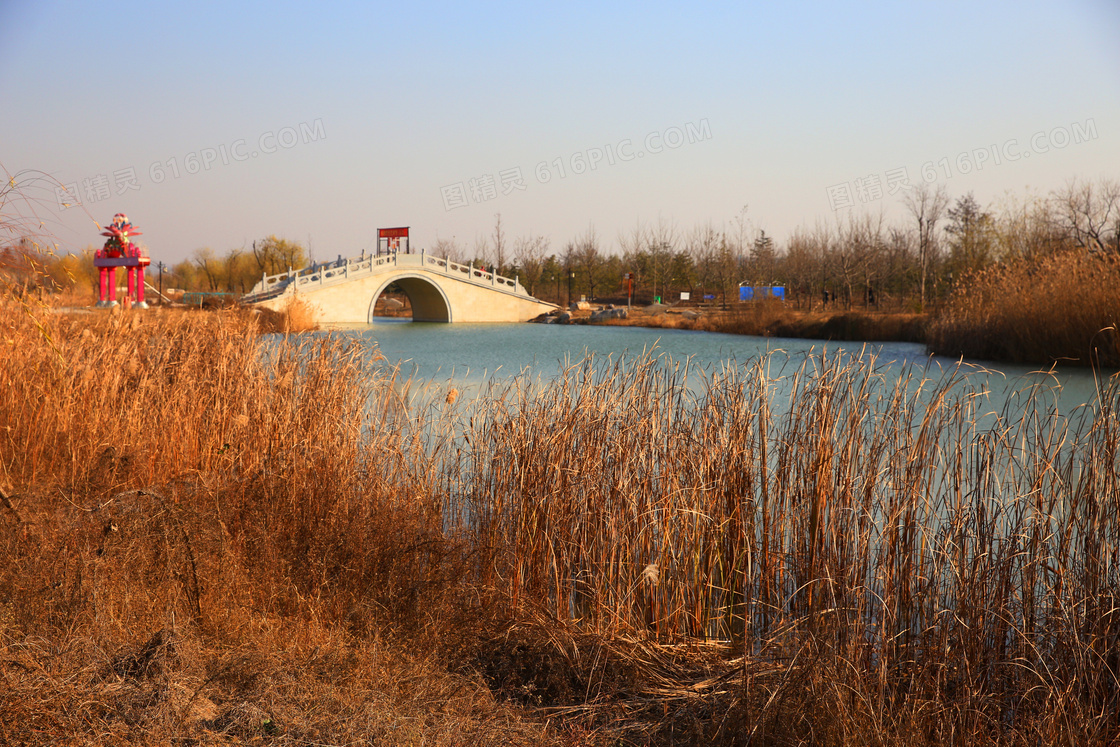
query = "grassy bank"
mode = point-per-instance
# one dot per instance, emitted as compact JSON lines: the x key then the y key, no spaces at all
{"x":201,"y":542}
{"x":774,"y":319}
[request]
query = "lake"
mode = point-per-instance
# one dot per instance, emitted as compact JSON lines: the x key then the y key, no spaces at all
{"x":468,"y":355}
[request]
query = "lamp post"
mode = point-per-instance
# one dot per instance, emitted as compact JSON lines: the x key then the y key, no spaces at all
{"x":571,"y":276}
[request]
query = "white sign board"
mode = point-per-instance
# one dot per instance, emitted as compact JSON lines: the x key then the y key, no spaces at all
{"x":685,"y":295}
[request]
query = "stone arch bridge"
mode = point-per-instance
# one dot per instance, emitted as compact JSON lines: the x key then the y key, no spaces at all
{"x":440,"y":290}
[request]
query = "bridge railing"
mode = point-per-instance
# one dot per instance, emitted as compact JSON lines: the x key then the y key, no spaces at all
{"x":475,"y":274}
{"x":321,"y":275}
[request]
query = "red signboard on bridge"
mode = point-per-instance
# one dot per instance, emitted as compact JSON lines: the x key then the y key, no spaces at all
{"x":391,"y":240}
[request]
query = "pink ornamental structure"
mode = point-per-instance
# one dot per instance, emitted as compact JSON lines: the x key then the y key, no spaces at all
{"x":119,"y":251}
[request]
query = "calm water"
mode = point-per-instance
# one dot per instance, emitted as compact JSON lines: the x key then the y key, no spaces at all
{"x":471,"y":354}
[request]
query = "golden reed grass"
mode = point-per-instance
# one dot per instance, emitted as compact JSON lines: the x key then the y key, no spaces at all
{"x":207,"y":537}
{"x":201,"y":541}
{"x":949,"y":568}
{"x":295,"y":317}
{"x":1061,"y":308}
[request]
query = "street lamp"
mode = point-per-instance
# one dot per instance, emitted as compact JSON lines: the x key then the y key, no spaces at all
{"x":571,"y":275}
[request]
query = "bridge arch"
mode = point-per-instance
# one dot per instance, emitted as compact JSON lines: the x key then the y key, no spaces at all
{"x":429,"y":302}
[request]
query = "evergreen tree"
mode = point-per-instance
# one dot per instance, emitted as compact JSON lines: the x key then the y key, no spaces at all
{"x":971,"y":236}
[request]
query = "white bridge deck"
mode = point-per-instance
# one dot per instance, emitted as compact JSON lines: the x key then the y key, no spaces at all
{"x":341,"y":271}
{"x":440,"y":290}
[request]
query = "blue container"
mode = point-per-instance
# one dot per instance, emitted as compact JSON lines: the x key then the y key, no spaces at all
{"x":751,"y":292}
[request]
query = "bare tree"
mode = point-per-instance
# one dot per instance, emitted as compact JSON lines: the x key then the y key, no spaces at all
{"x":481,"y":251}
{"x":209,"y":264}
{"x":815,"y":248}
{"x":802,"y":263}
{"x":569,"y":259}
{"x":499,"y":243}
{"x":632,"y":243}
{"x":233,"y":269}
{"x":858,"y":252}
{"x":739,"y":240}
{"x":634,"y":259}
{"x":588,"y":260}
{"x":1027,"y":226}
{"x":529,"y":252}
{"x":1090,"y":213}
{"x":713,"y":257}
{"x":899,"y":261}
{"x":275,"y":255}
{"x":661,"y":244}
{"x":926,"y":205}
{"x":449,"y":249}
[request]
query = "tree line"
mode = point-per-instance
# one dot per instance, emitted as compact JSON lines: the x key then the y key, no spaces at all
{"x":28,"y":264}
{"x":856,"y":259}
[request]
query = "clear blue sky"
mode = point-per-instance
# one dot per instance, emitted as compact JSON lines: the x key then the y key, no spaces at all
{"x":393,"y":113}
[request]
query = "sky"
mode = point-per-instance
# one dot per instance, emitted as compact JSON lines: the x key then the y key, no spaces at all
{"x":217,"y":124}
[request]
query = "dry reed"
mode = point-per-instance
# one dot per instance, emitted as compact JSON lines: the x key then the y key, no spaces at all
{"x":950,"y":569}
{"x":1060,"y":308}
{"x":209,"y":538}
{"x":295,"y":317}
{"x":202,"y":540}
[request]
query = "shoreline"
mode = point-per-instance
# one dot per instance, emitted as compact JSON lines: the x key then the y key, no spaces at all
{"x":757,"y":320}
{"x":848,"y":325}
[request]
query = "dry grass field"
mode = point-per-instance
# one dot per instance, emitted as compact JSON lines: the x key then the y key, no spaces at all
{"x":210,"y":537}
